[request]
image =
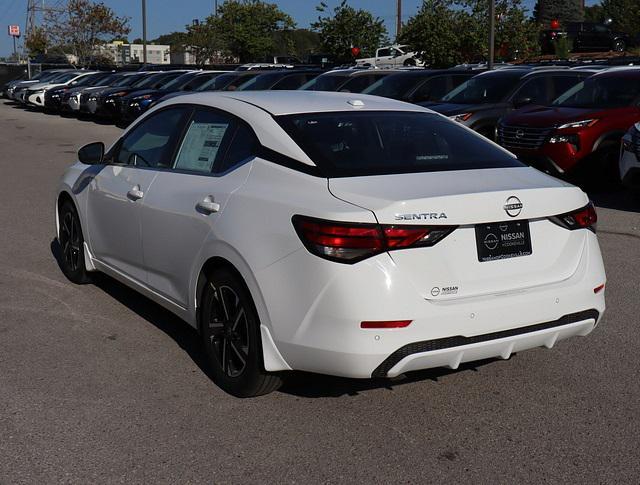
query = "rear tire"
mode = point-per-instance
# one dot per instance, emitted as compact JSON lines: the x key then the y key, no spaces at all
{"x":71,"y":243}
{"x":230,"y":330}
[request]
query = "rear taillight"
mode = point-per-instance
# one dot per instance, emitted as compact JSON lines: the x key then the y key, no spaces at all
{"x":352,"y":242}
{"x":585,"y":218}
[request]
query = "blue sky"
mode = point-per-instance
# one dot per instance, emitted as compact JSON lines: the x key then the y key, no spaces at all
{"x":170,"y":15}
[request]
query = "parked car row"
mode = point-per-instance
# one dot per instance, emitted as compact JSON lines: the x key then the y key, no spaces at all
{"x":556,"y":118}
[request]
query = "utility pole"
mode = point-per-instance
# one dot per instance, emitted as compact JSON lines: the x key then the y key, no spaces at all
{"x":492,"y":33}
{"x":144,"y":31}
{"x":215,"y":8}
{"x":398,"y":18}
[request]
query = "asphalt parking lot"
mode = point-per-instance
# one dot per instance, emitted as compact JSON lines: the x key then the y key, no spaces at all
{"x":98,"y":384}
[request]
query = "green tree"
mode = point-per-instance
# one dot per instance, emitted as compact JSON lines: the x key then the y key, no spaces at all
{"x":347,"y":27}
{"x":246,"y":27}
{"x":517,"y":35}
{"x":82,"y":26}
{"x":562,"y":10}
{"x":297,"y":42}
{"x":173,"y":39}
{"x":594,"y":13}
{"x":435,"y":31}
{"x":625,"y":15}
{"x":204,"y":40}
{"x":37,"y":42}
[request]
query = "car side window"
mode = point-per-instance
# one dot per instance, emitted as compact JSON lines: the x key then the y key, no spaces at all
{"x":432,"y":89}
{"x":290,"y":82}
{"x":150,"y":144}
{"x":244,"y":145}
{"x":357,"y":84}
{"x":384,"y":52}
{"x":205,"y":142}
{"x":562,"y":84}
{"x":535,"y":89}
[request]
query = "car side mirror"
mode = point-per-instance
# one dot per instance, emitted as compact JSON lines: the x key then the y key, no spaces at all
{"x":520,"y":102}
{"x":92,"y":154}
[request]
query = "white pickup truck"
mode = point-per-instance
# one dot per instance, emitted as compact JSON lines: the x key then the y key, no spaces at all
{"x":392,"y":56}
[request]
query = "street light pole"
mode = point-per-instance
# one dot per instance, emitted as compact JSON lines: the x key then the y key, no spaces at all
{"x":144,"y":31}
{"x":398,"y":18}
{"x":492,"y":33}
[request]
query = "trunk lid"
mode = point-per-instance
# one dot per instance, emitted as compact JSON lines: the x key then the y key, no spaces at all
{"x":452,"y":268}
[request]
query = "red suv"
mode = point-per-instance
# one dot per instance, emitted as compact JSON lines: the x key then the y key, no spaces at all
{"x":583,"y":126}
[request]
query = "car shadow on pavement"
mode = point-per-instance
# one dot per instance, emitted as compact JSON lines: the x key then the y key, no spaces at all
{"x":181,"y":332}
{"x":300,"y":384}
{"x":305,"y":384}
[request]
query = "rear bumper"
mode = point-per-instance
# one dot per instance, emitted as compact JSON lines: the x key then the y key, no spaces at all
{"x":452,"y":351}
{"x":316,"y":326}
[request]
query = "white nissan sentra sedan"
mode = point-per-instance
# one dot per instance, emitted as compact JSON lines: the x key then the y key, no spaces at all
{"x":334,"y":233}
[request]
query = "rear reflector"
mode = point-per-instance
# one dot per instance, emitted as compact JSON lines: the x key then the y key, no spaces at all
{"x":584,"y":218}
{"x":386,"y":324}
{"x":347,"y":242}
{"x":598,"y":289}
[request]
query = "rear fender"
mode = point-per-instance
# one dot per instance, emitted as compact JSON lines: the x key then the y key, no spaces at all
{"x":272,"y":358}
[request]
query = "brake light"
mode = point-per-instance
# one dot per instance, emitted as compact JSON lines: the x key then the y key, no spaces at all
{"x":353,"y":242}
{"x":584,"y":218}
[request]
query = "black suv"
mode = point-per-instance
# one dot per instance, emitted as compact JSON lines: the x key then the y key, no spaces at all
{"x":585,"y":36}
{"x":419,"y":85}
{"x":482,"y":100}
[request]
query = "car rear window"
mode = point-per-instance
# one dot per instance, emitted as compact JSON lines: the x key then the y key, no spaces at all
{"x":348,"y":144}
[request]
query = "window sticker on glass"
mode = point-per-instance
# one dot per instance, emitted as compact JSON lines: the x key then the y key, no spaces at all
{"x":200,"y":146}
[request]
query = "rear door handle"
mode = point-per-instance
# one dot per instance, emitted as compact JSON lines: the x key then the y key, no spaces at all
{"x":135,"y":193}
{"x":208,"y":205}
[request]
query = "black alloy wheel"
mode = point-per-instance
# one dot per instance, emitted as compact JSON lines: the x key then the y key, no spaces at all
{"x":71,"y":245}
{"x":230,"y":330}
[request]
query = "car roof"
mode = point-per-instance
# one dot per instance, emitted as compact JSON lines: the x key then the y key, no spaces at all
{"x":420,"y":73}
{"x":295,"y":102}
{"x":516,"y":71}
{"x":552,"y":70}
{"x":289,"y":72}
{"x":622,"y":71}
{"x":355,"y":72}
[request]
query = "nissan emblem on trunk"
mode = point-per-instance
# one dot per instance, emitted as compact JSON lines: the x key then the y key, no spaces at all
{"x":513,"y":207}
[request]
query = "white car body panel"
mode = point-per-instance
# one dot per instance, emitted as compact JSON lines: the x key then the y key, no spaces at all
{"x":629,"y":165}
{"x":310,"y":309}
